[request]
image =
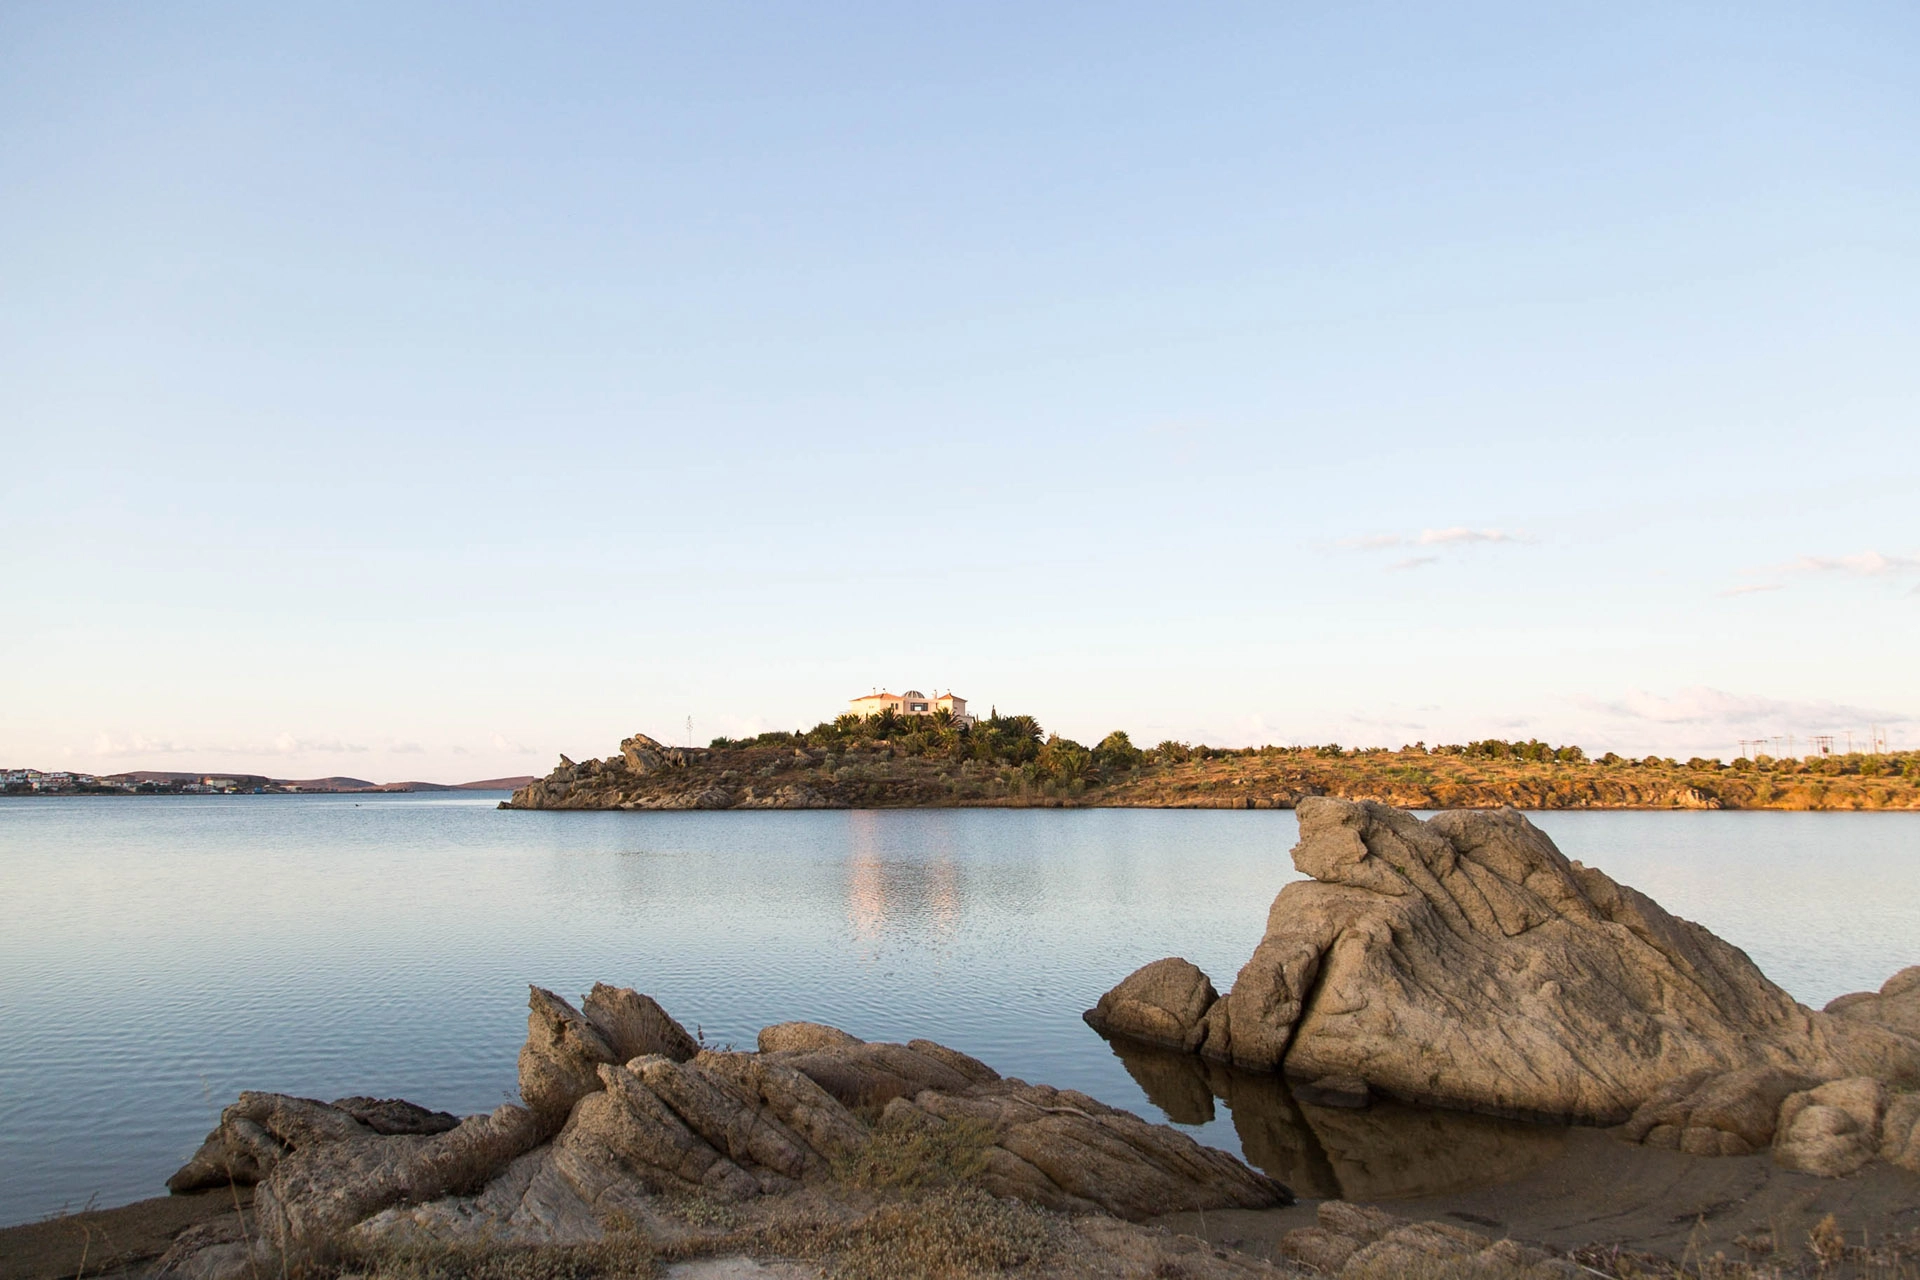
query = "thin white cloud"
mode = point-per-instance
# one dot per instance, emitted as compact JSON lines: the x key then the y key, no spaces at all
{"x":1867,"y":564}
{"x":1437,"y":540}
{"x":1716,"y":722}
{"x":502,"y":743}
{"x":288,"y":744}
{"x":285,"y":744}
{"x":1459,"y":535}
{"x":1864,"y":564}
{"x":105,"y":744}
{"x":1453,"y":536}
{"x":1700,"y":705}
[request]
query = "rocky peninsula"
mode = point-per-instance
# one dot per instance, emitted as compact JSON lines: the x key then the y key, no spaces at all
{"x":1009,"y":762}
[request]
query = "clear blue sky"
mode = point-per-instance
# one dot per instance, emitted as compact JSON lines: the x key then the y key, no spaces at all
{"x":421,"y":391}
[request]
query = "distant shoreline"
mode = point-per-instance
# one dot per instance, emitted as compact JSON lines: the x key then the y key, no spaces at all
{"x":33,"y":783}
{"x":211,"y":795}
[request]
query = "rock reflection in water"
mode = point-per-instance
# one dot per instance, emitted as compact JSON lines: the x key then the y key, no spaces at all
{"x":1385,"y":1151}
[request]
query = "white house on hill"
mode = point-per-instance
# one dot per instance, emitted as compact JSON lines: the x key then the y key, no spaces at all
{"x":911,"y":703}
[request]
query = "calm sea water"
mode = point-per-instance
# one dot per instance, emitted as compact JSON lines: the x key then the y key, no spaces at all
{"x":157,"y":955}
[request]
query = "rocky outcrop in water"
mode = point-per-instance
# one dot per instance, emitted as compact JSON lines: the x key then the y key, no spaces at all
{"x":1465,"y":961}
{"x":817,"y":1118}
{"x":1164,"y":1003}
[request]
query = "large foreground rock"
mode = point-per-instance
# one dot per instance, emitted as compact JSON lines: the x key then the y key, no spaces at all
{"x":603,"y":1140}
{"x":1465,"y":961}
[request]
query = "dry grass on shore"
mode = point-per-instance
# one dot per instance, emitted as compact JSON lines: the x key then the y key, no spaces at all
{"x":953,"y":1233}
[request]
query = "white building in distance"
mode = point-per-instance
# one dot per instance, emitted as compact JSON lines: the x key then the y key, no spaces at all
{"x":911,"y":703}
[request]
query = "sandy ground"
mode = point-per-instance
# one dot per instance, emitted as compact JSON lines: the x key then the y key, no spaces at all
{"x":106,"y":1242}
{"x":1600,"y":1190}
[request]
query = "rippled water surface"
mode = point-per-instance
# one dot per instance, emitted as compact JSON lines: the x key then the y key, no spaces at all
{"x":157,"y":955}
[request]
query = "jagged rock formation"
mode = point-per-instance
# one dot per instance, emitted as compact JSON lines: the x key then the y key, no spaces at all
{"x":1465,"y":961}
{"x":641,"y":768}
{"x":604,"y":1139}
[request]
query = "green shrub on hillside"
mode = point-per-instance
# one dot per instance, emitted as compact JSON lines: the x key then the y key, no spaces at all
{"x":1117,"y":753}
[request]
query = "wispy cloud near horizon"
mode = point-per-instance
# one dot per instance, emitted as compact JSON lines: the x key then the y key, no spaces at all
{"x":1866,"y":564}
{"x":1703,"y":705}
{"x":1453,"y":536}
{"x":1460,"y":535}
{"x":283,"y":744}
{"x":105,"y":744}
{"x":1434,"y":541}
{"x":1863,"y":564}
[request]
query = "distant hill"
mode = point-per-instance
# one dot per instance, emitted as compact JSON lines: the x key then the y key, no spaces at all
{"x":486,"y":784}
{"x":176,"y":779}
{"x":332,"y":784}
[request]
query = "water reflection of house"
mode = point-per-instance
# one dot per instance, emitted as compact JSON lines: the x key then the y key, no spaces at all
{"x":916,"y":894}
{"x":911,"y":703}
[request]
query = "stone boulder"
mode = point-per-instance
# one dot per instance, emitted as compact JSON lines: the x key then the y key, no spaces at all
{"x":1729,"y":1113}
{"x":1465,"y":961}
{"x":1900,"y":1132}
{"x":802,"y":1036}
{"x":1896,"y":1005}
{"x":561,"y":1060}
{"x":1063,"y":1150}
{"x":643,"y":755}
{"x":867,"y":1075}
{"x":633,"y":1025}
{"x":1352,"y":1240}
{"x":320,"y":1190}
{"x":1163,"y":1003}
{"x":396,"y":1115}
{"x":260,"y":1128}
{"x":1831,"y":1130}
